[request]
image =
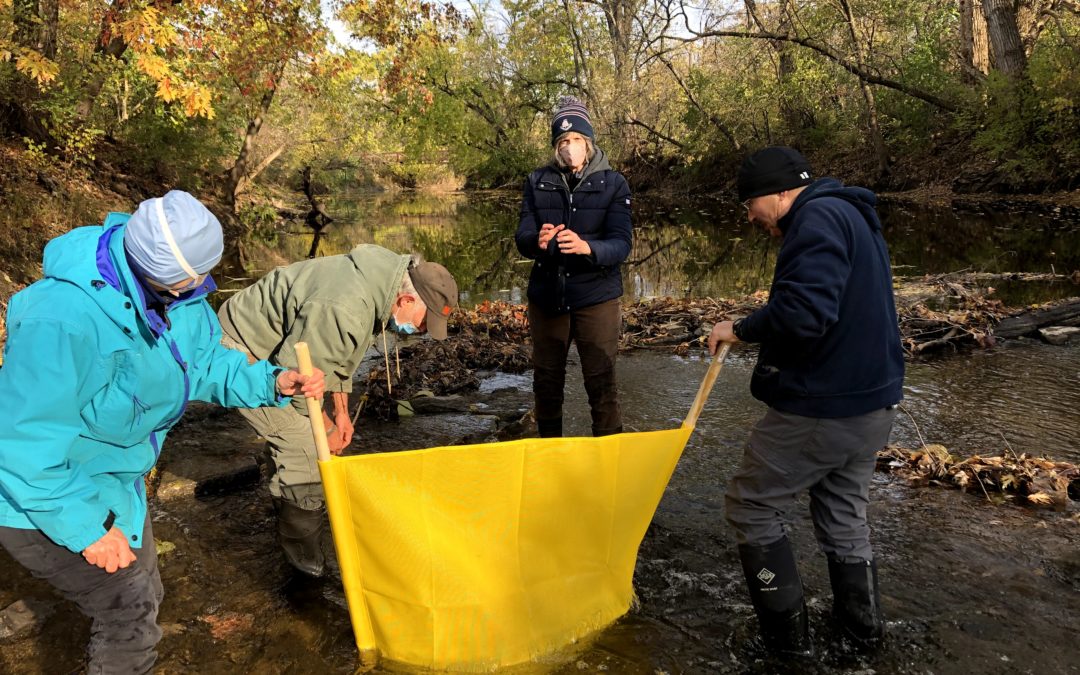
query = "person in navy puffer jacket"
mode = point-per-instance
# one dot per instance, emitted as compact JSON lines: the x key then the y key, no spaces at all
{"x":831,"y":370}
{"x":575,"y":224}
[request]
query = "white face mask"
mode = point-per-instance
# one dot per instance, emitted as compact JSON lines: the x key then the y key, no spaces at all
{"x":573,"y":155}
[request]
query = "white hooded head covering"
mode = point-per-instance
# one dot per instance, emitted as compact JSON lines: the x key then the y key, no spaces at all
{"x":173,"y":238}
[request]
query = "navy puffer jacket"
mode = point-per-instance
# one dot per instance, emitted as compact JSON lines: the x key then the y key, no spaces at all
{"x":598,"y":209}
{"x":830,"y":344}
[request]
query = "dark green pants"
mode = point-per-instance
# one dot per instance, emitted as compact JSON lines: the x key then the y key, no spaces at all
{"x":595,"y":330}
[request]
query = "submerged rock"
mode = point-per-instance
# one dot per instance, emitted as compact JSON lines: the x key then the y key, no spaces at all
{"x":23,"y":618}
{"x":1059,"y":335}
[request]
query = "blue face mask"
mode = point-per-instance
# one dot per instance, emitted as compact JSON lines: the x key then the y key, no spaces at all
{"x":404,"y":328}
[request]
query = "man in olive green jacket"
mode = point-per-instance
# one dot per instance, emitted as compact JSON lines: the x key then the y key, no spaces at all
{"x":336,"y":304}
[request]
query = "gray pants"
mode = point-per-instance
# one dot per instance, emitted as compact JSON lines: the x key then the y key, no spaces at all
{"x":832,"y":458}
{"x":123,"y":606}
{"x":294,"y":462}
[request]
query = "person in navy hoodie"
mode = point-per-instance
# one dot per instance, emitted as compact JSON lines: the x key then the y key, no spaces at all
{"x":831,"y":370}
{"x":575,"y":225}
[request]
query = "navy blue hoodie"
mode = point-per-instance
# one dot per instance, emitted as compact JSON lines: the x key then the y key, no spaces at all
{"x":830,"y":345}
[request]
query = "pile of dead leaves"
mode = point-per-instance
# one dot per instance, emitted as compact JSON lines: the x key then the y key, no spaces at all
{"x":680,"y":324}
{"x":497,"y":320}
{"x":495,"y":335}
{"x":441,"y":368}
{"x":970,"y":320}
{"x":1035,"y":480}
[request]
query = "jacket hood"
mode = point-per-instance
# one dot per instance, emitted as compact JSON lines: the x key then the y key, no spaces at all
{"x":862,"y":199}
{"x":382,"y":270}
{"x":78,"y":258}
{"x":599,"y":163}
{"x":71,"y":257}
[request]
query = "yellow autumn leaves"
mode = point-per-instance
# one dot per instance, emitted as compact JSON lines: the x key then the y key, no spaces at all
{"x":149,"y":35}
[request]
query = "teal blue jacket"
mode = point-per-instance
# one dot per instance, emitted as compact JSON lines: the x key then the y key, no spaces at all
{"x":92,"y":381}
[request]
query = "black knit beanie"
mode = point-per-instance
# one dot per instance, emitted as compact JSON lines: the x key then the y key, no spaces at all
{"x":571,"y":115}
{"x":771,"y":170}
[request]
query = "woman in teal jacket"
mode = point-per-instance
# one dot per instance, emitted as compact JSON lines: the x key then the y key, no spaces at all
{"x":102,"y":356}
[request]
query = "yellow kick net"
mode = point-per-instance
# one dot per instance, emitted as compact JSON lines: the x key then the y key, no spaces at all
{"x":481,"y":556}
{"x":478,"y":556}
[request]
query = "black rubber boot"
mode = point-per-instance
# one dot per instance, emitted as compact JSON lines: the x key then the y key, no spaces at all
{"x":549,"y":428}
{"x":857,"y":602}
{"x":777,"y":594}
{"x":300,"y":533}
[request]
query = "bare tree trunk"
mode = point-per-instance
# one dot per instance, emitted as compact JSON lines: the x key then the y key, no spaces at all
{"x":50,"y":27}
{"x":798,"y":116}
{"x":317,"y":217}
{"x":109,"y":44}
{"x":239,"y":169}
{"x":881,"y":153}
{"x":582,"y":74}
{"x":246,"y":180}
{"x":974,"y":43}
{"x":1004,"y":35}
{"x":619,"y":17}
{"x":240,"y":166}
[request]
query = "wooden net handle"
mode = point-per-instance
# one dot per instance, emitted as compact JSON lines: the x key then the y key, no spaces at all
{"x":706,"y":386}
{"x":314,"y":405}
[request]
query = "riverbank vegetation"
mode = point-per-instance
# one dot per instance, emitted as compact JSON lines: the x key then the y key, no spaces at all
{"x":224,"y":95}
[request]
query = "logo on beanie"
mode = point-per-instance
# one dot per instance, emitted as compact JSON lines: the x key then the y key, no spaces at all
{"x":566,"y":124}
{"x":804,"y":175}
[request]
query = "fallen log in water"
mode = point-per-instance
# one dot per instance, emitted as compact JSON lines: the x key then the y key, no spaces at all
{"x":1065,"y":313}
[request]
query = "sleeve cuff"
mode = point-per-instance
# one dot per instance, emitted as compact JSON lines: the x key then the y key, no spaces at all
{"x":280,"y":400}
{"x":736,"y":328}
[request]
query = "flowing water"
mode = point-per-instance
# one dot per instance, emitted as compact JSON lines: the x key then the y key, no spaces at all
{"x":968,"y":585}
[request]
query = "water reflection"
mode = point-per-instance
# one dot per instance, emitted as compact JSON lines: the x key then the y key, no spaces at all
{"x":316,"y":239}
{"x":679,"y":250}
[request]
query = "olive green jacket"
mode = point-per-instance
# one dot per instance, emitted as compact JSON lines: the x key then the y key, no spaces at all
{"x":335,"y":304}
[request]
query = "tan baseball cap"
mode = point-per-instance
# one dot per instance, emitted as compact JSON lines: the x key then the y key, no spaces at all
{"x":439,"y":292}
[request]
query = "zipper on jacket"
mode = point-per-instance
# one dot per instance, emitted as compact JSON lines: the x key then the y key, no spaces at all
{"x":570,"y":198}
